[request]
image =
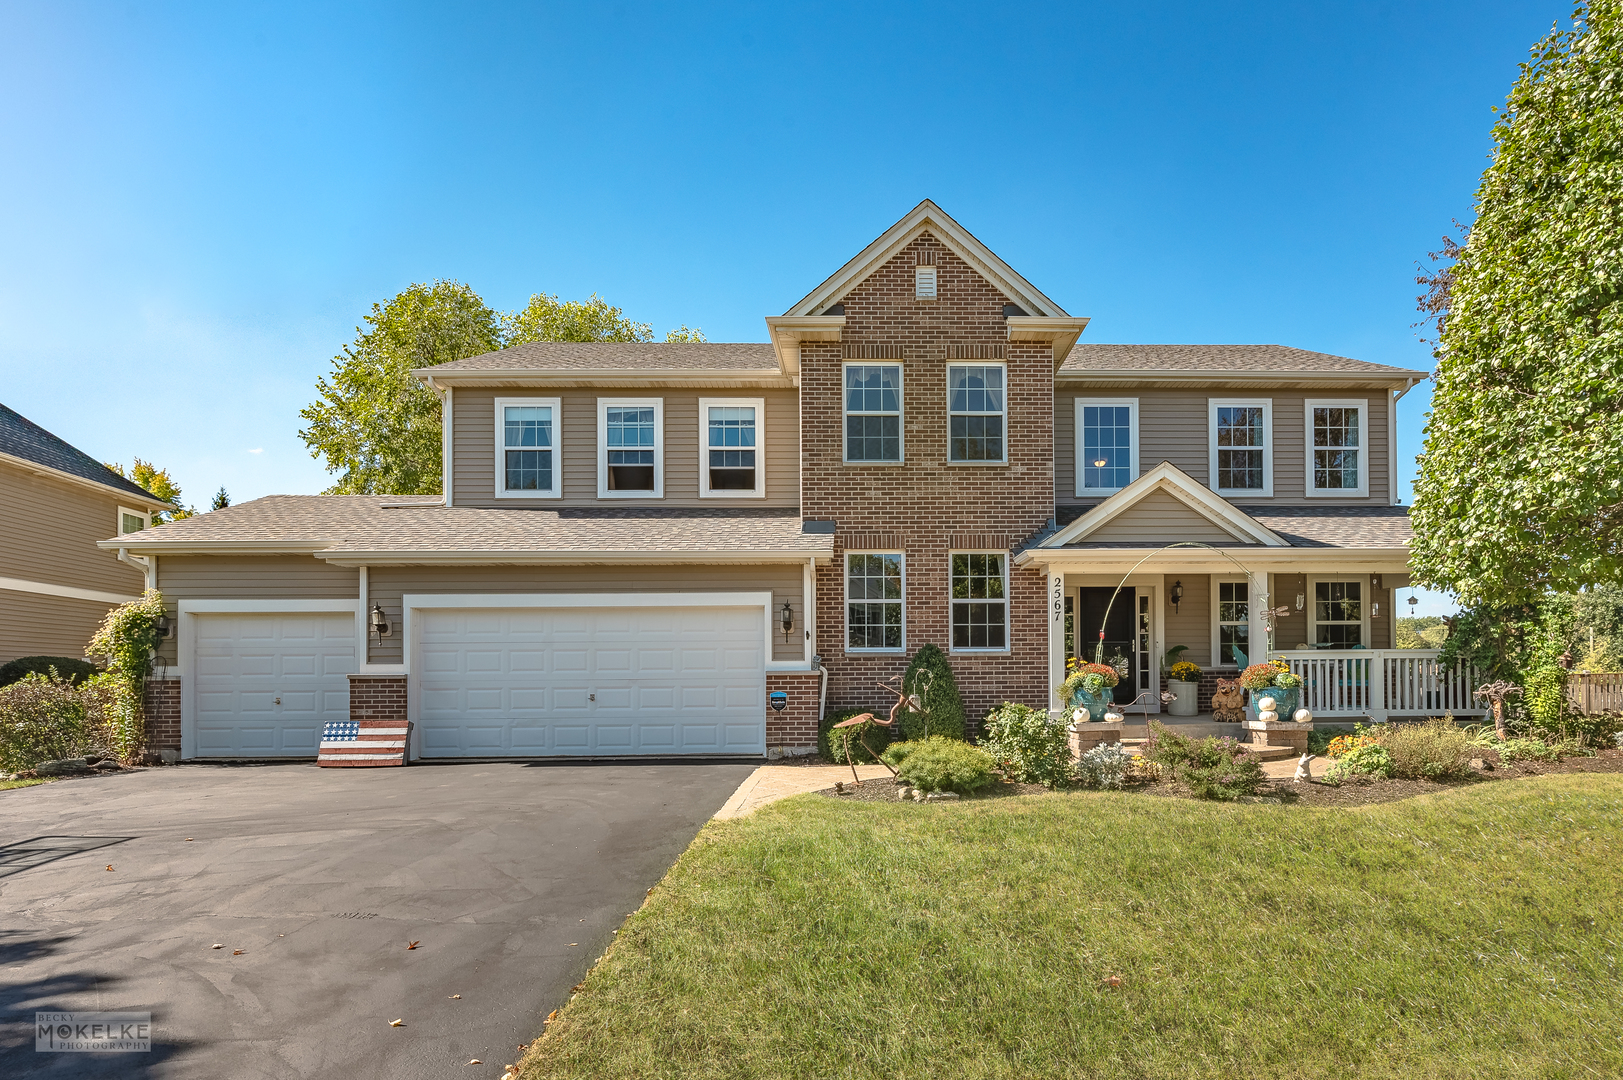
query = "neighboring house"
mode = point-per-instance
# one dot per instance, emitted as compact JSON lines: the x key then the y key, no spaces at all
{"x":640,"y":545}
{"x":56,"y":585}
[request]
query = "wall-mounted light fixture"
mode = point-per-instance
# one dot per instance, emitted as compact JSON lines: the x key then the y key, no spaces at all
{"x":1175,"y":594}
{"x":380,"y":623}
{"x":1375,"y":580}
{"x":786,"y":619}
{"x":165,"y":628}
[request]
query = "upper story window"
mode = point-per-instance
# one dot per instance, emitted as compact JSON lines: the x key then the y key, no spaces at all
{"x":980,"y":604}
{"x":527,"y":463}
{"x":976,"y":413}
{"x":731,"y":443}
{"x":873,"y":601}
{"x":132,"y":520}
{"x":1337,"y":437}
{"x":631,"y":448}
{"x":1241,"y":450}
{"x":873,"y":413}
{"x":1106,"y":444}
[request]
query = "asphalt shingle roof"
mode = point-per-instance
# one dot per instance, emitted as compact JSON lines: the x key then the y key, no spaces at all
{"x":630,"y":355}
{"x":1305,"y":526}
{"x":380,"y":523}
{"x":1091,"y":357}
{"x":21,"y":437}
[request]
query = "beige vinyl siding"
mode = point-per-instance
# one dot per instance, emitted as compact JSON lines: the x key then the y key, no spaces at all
{"x":1291,"y":630}
{"x":32,"y":624}
{"x":1191,"y":624}
{"x":1158,"y":518}
{"x":258,"y":577}
{"x":1173,"y":426}
{"x":387,"y":585}
{"x":474,"y":447}
{"x":51,"y":531}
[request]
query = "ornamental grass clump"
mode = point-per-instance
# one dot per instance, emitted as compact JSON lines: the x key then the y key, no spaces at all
{"x":1027,"y":746}
{"x":1434,"y":750}
{"x":1211,"y":768}
{"x":942,"y":764}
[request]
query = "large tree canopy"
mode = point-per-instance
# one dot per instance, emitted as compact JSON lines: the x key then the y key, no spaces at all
{"x":1521,"y":478}
{"x":379,"y":427}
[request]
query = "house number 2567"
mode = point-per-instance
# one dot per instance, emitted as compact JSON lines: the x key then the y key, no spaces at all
{"x":1057,"y":599}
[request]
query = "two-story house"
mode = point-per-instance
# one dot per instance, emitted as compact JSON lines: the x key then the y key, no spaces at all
{"x":693,"y":548}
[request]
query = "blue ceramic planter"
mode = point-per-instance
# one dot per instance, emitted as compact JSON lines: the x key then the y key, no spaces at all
{"x":1095,"y":704}
{"x":1286,"y":702}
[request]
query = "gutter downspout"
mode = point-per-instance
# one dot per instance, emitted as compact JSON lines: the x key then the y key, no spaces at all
{"x":147,"y":564}
{"x":1392,"y":441}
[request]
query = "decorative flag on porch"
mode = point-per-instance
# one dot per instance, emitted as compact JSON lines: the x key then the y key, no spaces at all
{"x":364,"y":742}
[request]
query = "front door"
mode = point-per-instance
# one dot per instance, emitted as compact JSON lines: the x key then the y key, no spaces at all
{"x":1121,"y":645}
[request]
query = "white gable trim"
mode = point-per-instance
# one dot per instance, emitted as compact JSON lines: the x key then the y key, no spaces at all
{"x":927,"y":217}
{"x":1180,"y":485}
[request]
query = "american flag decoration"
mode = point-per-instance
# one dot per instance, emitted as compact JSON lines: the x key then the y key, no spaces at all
{"x":360,"y":743}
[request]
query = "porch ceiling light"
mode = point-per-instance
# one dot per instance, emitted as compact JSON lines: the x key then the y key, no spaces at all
{"x":1301,"y":601}
{"x":1175,"y":594}
{"x":786,"y":619}
{"x":1413,"y":600}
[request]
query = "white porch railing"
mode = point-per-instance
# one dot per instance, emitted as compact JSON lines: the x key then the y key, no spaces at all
{"x":1381,"y":683}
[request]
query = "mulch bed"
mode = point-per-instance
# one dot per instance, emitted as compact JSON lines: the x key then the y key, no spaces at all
{"x":1353,"y":792}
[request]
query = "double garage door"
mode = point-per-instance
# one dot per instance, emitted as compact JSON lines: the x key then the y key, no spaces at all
{"x":495,"y":682}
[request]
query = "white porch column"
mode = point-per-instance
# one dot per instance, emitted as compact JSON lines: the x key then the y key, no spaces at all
{"x":1262,"y":596}
{"x":1056,"y":635}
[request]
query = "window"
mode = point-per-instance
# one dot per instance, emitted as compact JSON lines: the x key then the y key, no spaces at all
{"x":527,"y":454}
{"x":1106,"y":444}
{"x":980,"y":606}
{"x":631,"y":448}
{"x":873,"y":413}
{"x":975,"y":403}
{"x":132,"y":520}
{"x":1242,"y":455}
{"x":1234,"y":624}
{"x":1338,"y":614}
{"x":1337,"y":435}
{"x":730,"y":444}
{"x":924,"y":282}
{"x":873,"y":601}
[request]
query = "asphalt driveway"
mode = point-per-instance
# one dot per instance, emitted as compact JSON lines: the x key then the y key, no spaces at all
{"x":512,"y":877}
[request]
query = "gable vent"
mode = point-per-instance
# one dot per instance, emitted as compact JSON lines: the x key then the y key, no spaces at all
{"x":924,"y":282}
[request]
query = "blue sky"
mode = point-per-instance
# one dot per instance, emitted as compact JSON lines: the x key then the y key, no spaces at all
{"x":200,"y":202}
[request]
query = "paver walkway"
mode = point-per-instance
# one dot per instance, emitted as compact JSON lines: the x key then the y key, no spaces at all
{"x":770,"y":783}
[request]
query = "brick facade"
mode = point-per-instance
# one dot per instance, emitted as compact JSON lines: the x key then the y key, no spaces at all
{"x":927,"y":508}
{"x":377,"y":697}
{"x":160,"y":706}
{"x":794,"y":730}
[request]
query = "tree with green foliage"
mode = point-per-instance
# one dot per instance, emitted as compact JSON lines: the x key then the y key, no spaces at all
{"x":379,"y":428}
{"x":221,"y":500}
{"x":930,"y":677}
{"x":1521,"y":479}
{"x":158,"y":482}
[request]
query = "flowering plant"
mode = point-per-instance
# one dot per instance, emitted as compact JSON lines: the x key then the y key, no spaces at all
{"x":1092,"y":677}
{"x":1184,"y":671}
{"x":1287,"y":680}
{"x":1262,"y":676}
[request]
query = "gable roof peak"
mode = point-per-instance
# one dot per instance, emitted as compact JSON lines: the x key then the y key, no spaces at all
{"x":1186,"y":489}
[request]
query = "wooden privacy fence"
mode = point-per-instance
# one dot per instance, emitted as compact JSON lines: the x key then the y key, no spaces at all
{"x":1382,"y":683}
{"x":1596,"y":692}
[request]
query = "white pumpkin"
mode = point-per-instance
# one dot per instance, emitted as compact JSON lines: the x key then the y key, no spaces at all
{"x":1268,"y":716}
{"x":1266,"y":704}
{"x":1080,"y":716}
{"x":1114,"y":717}
{"x":1303,"y":716}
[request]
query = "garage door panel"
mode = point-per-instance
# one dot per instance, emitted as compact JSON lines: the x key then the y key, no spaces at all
{"x":665,"y":680}
{"x":243,"y":663}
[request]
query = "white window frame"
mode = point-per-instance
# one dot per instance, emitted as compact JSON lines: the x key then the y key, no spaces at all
{"x":1362,"y":405}
{"x":1003,"y":415}
{"x":1267,"y":406}
{"x":759,"y":405}
{"x":1368,"y":591}
{"x":1215,"y":603}
{"x":1008,"y":625}
{"x":901,"y":413}
{"x":604,"y":404}
{"x":500,"y":417}
{"x":845,"y":589}
{"x":1132,"y":446}
{"x":118,"y":520}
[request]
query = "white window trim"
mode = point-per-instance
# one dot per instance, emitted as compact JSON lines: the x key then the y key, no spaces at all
{"x":603,"y":406}
{"x":118,"y":521}
{"x":1363,"y":406}
{"x":1132,"y":451}
{"x":845,"y":610}
{"x":1250,"y":609}
{"x":759,"y":405}
{"x":1008,"y":627}
{"x":1267,"y":406}
{"x":1313,"y":609}
{"x":901,"y":413}
{"x":500,"y":416}
{"x":1004,"y":460}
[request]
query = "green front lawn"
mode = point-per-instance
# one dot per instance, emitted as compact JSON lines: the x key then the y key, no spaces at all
{"x":1475,"y":933}
{"x":7,"y":785}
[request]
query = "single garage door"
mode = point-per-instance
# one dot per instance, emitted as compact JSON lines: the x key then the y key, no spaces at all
{"x":265,"y":684}
{"x":617,"y":680}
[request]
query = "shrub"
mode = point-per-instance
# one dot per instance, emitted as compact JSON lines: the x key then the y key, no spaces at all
{"x":46,"y":719}
{"x":942,"y":764}
{"x":1524,"y":749}
{"x":1333,"y":742}
{"x":1212,"y":768}
{"x":831,"y":743}
{"x":126,"y":639}
{"x":1370,"y":759}
{"x":70,"y":668}
{"x":896,"y":753}
{"x":1434,"y":750}
{"x":1546,"y":697}
{"x":930,"y":677}
{"x":1028,"y":746}
{"x":1104,"y":768}
{"x":1184,"y":671}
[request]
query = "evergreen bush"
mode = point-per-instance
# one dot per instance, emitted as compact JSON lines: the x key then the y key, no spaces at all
{"x":70,"y":668}
{"x":930,"y":677}
{"x":831,"y":742}
{"x":938,"y":763}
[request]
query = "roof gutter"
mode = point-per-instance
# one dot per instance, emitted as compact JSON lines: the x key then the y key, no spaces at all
{"x":790,"y":331}
{"x":1139,"y":375}
{"x":213,"y":547}
{"x":437,"y":380}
